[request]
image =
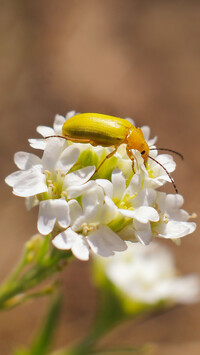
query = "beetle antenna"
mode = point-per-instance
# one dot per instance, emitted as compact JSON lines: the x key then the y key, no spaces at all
{"x":169,"y":150}
{"x":172,"y":180}
{"x":56,"y":136}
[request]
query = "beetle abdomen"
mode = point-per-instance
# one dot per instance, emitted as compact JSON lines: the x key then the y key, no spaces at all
{"x":101,"y":129}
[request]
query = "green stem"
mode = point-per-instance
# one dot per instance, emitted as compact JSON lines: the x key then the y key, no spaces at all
{"x":87,"y":344}
{"x":15,"y":273}
{"x":14,"y":287}
{"x":109,"y":315}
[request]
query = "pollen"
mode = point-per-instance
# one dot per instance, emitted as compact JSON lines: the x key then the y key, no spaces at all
{"x":90,"y":227}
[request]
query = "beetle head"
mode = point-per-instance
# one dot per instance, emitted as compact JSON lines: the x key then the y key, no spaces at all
{"x":136,"y":141}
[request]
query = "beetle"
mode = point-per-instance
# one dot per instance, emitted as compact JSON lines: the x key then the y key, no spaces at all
{"x":107,"y":131}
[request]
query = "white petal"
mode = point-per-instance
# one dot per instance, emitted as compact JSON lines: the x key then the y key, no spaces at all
{"x":128,"y":233}
{"x":127,"y":213}
{"x":152,"y":141}
{"x":45,"y":131}
{"x":80,"y":248}
{"x":135,"y":184}
{"x":139,"y":161}
{"x":105,"y":242}
{"x":106,"y":213}
{"x":131,"y":120}
{"x":185,"y":289}
{"x":177,"y":229}
{"x":119,"y":184}
{"x":78,"y":223}
{"x":145,"y":197}
{"x":71,"y":114}
{"x":93,"y":197}
{"x":150,"y":197}
{"x":161,"y":201}
{"x":75,"y":191}
{"x":25,"y":160}
{"x":71,"y":240}
{"x":90,"y":215}
{"x":75,"y":210}
{"x":13,"y":178}
{"x":178,"y":215}
{"x":37,"y":143}
{"x":146,"y":132}
{"x":64,"y":240}
{"x":144,"y":214}
{"x":68,"y":158}
{"x":80,"y":176}
{"x":139,"y":199}
{"x":31,"y":182}
{"x":174,"y":201}
{"x":143,"y":232}
{"x":52,"y":153}
{"x":46,"y":218}
{"x":111,"y":204}
{"x":106,"y":185}
{"x":58,"y":123}
{"x":167,"y":161}
{"x":153,"y":153}
{"x":61,"y":211}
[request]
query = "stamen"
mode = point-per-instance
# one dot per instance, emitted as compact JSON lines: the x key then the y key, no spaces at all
{"x":193,"y":216}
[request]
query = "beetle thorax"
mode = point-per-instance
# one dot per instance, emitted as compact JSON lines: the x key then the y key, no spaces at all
{"x":135,"y":140}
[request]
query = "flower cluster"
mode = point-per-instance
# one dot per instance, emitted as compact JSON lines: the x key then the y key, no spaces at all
{"x":149,"y":275}
{"x":101,"y":214}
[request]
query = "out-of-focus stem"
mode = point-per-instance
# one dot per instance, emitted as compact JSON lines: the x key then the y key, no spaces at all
{"x":16,"y":285}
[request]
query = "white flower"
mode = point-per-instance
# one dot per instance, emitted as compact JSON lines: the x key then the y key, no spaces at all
{"x":173,"y":221}
{"x":133,"y":203}
{"x":148,"y":213}
{"x":148,"y":275}
{"x":46,"y":131}
{"x":153,"y":174}
{"x":89,"y":227}
{"x":46,"y":182}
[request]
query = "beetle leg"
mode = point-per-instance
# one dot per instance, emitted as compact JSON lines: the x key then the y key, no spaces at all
{"x":55,"y":136}
{"x":103,"y":161}
{"x":76,"y":140}
{"x":131,"y":156}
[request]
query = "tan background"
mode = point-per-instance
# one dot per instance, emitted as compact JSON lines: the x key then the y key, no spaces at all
{"x":122,"y":57}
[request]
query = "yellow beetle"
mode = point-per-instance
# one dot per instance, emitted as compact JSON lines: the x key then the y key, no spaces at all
{"x":107,"y":131}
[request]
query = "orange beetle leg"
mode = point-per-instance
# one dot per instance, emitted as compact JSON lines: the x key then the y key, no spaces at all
{"x":131,"y":156}
{"x":103,"y":161}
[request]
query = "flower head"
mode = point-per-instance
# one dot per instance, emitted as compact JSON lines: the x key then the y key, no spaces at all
{"x":47,"y":182}
{"x":90,"y":227}
{"x":100,"y":212}
{"x":148,"y":275}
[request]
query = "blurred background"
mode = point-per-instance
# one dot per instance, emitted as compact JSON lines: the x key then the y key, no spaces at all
{"x":125,"y":58}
